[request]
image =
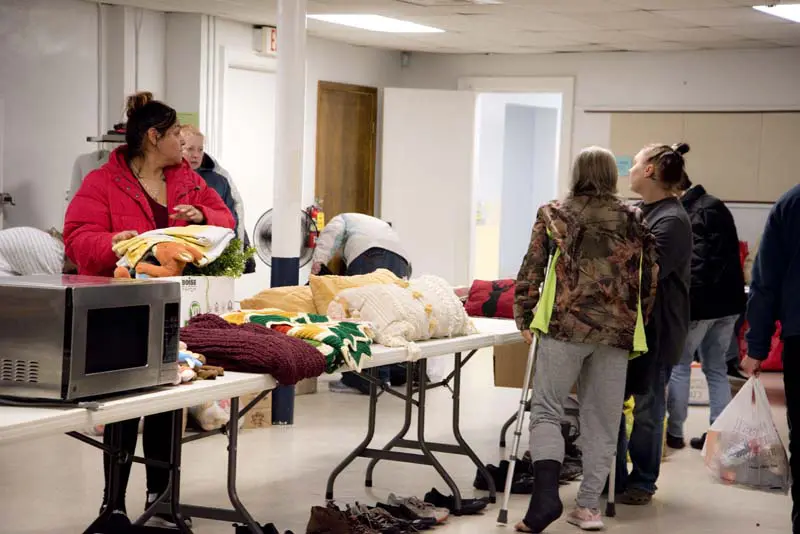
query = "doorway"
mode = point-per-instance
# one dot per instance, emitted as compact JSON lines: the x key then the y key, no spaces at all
{"x":248,"y":153}
{"x":347,"y":116}
{"x":517,"y":172}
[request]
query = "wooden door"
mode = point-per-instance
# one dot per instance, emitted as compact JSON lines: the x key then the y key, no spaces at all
{"x":346,"y":137}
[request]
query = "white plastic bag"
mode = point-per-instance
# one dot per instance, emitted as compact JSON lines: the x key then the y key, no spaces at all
{"x":743,"y":446}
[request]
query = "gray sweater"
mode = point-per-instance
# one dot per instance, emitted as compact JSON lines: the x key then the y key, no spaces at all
{"x":669,"y":323}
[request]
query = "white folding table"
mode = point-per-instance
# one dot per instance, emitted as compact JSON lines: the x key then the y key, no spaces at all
{"x":492,"y":332}
{"x":18,"y":423}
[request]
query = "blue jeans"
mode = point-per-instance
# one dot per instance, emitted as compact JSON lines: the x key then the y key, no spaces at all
{"x":710,"y":339}
{"x":645,"y":444}
{"x":379,"y":258}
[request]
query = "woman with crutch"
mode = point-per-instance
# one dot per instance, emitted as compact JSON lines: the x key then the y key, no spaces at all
{"x":595,"y":261}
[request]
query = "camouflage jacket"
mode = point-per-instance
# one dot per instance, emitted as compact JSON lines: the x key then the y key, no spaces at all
{"x":602,"y":243}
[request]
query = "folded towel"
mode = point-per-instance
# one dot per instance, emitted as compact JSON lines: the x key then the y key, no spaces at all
{"x":211,"y":241}
{"x":252,"y":348}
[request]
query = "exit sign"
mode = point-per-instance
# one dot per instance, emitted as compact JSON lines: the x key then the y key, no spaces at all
{"x":265,"y":40}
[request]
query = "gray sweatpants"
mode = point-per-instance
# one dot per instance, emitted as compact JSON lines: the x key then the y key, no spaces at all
{"x":600,"y":373}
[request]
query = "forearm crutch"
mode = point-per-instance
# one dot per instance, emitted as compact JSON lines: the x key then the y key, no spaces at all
{"x":611,"y":507}
{"x":502,"y":517}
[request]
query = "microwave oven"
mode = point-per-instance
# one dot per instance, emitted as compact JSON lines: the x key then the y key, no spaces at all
{"x":69,"y":337}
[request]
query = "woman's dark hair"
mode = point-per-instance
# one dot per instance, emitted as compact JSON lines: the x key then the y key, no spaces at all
{"x":144,"y":113}
{"x":669,"y":163}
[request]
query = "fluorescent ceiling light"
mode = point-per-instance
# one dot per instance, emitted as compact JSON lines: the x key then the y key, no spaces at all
{"x":376,"y":23}
{"x":785,"y":11}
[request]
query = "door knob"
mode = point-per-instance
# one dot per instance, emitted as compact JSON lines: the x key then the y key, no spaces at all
{"x":6,"y":198}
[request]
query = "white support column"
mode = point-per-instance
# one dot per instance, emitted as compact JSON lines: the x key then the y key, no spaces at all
{"x":290,"y":117}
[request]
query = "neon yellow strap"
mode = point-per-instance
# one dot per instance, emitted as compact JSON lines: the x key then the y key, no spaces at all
{"x":639,"y":337}
{"x":547,"y":298}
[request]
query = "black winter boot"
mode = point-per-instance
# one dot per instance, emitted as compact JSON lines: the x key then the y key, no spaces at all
{"x":545,"y":506}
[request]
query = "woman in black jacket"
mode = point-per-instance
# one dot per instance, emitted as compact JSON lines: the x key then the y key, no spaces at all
{"x":717,"y":299}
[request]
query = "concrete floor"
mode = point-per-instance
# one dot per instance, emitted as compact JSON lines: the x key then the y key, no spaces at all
{"x":54,"y":485}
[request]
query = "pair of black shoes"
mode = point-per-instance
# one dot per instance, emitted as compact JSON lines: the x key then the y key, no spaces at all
{"x":674,"y":442}
{"x":468,"y":506}
{"x":522,"y":483}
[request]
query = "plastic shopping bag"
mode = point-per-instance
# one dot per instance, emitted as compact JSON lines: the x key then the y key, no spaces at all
{"x":743,"y":446}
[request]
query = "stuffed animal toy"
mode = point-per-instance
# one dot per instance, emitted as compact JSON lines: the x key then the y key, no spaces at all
{"x":192,"y":366}
{"x":165,"y":259}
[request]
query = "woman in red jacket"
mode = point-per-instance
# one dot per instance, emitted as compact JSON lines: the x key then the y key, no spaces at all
{"x":146,"y":185}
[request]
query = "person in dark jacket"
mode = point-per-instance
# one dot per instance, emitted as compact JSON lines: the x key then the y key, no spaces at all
{"x":655,"y":175}
{"x":217,"y":179}
{"x":717,"y":298}
{"x":773,"y":297}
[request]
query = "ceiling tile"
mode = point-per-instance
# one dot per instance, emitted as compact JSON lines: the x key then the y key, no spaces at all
{"x":732,"y":16}
{"x":662,"y":5}
{"x":689,"y":35}
{"x":629,"y":20}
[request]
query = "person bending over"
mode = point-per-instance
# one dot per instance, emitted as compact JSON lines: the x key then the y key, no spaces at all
{"x":773,"y":297}
{"x":656,"y":173}
{"x":365,"y":244}
{"x":717,"y":299}
{"x":599,"y":289}
{"x":146,"y":185}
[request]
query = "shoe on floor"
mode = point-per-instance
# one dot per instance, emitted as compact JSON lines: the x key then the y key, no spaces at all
{"x":420,"y":508}
{"x":698,"y":443}
{"x":468,"y":506}
{"x":586,"y":519}
{"x":330,"y":520}
{"x":674,"y":442}
{"x":735,"y":372}
{"x":571,"y":470}
{"x":162,"y":520}
{"x":403,"y":512}
{"x":635,"y":497}
{"x":379,"y":519}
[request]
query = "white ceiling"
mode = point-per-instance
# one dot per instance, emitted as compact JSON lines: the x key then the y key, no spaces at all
{"x":531,"y":26}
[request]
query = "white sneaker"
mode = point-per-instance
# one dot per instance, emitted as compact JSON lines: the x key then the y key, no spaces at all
{"x":586,"y":519}
{"x":420,"y":508}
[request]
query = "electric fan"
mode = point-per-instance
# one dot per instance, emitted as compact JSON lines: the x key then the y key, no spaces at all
{"x":262,"y":237}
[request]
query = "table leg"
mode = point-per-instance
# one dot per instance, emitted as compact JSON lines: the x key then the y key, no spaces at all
{"x":233,"y":449}
{"x":406,"y":423}
{"x":373,"y":405}
{"x":175,"y":471}
{"x":423,"y":445}
{"x":117,"y":458}
{"x":457,"y":430}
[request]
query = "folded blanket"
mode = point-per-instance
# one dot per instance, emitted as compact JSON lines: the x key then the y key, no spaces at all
{"x":342,"y":343}
{"x":211,"y":241}
{"x":406,"y":312}
{"x":252,"y":348}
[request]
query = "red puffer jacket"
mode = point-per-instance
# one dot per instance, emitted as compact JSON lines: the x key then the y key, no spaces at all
{"x":111,"y":200}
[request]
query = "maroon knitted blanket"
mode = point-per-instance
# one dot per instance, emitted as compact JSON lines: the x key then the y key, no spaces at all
{"x":252,"y":348}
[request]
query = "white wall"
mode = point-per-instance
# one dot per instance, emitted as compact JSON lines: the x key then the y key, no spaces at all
{"x":327,"y":61}
{"x":48,"y":79}
{"x":185,"y":55}
{"x":705,"y":80}
{"x":728,"y":80}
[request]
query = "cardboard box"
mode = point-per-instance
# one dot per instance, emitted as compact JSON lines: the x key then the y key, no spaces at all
{"x":260,"y":416}
{"x":509,"y":365}
{"x":306,"y":387}
{"x":205,"y":294}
